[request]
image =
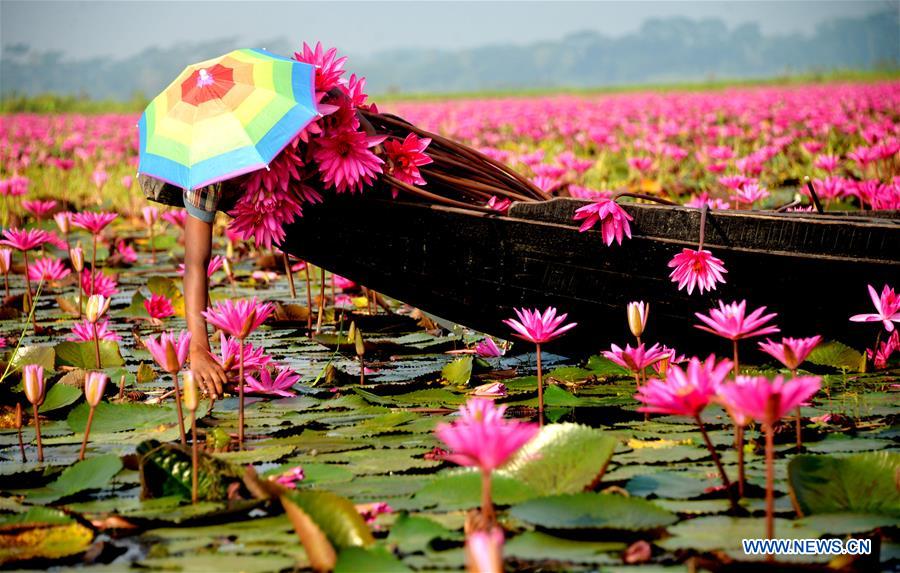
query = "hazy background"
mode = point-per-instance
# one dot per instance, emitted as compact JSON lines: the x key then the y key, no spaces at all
{"x":118,"y":49}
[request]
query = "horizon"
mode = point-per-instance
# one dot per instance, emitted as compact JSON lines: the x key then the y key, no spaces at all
{"x":102,"y":29}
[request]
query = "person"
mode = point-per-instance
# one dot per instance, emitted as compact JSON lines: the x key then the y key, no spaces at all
{"x":201,"y":206}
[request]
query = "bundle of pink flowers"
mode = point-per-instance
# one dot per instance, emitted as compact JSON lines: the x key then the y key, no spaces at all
{"x":338,"y":151}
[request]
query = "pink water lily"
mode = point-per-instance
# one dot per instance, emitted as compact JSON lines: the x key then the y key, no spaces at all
{"x":638,"y":358}
{"x":84,"y":332}
{"x":168,"y":350}
{"x":483,"y":438}
{"x":684,"y":392}
{"x":238,"y":318}
{"x":613,"y":220}
{"x":404,"y":158}
{"x":24,"y":239}
{"x":751,"y":395}
{"x":93,"y":222}
{"x":887,"y":308}
{"x":47,"y":269}
{"x":731,"y":321}
{"x":697,"y":268}
{"x":159,"y":306}
{"x":279,"y":385}
{"x":487,"y":348}
{"x":537,"y":327}
{"x":790,"y":351}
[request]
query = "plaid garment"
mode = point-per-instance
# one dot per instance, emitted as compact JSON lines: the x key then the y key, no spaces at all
{"x":201,"y":203}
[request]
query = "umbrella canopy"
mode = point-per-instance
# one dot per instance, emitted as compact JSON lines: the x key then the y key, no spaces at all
{"x":225,"y":117}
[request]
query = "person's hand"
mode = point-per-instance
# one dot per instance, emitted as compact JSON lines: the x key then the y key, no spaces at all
{"x":208,"y":372}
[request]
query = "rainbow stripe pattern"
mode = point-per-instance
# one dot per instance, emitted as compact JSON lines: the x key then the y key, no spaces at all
{"x":225,"y":117}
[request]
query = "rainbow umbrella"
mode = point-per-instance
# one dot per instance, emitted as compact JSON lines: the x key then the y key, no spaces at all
{"x":224,"y":117}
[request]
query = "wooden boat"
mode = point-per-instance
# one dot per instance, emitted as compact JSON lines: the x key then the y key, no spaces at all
{"x":472,"y":268}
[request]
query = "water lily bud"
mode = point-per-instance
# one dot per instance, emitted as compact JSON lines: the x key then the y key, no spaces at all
{"x":5,"y":260}
{"x":637,"y":317}
{"x":33,"y":381}
{"x":351,"y":333}
{"x":94,"y":387}
{"x":96,"y":307}
{"x":191,"y":393}
{"x":63,"y":221}
{"x":76,"y":255}
{"x":358,"y":342}
{"x":151,"y":214}
{"x":226,"y":265}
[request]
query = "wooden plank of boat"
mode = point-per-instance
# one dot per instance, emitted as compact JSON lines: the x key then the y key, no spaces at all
{"x":473,"y":268}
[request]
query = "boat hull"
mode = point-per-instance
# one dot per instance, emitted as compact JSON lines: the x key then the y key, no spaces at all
{"x":473,"y":268}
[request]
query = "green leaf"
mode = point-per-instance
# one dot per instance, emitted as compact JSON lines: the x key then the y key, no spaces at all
{"x":60,"y":396}
{"x":562,"y":458}
{"x":536,"y":546}
{"x":34,"y":515}
{"x":862,"y":483}
{"x":36,"y":354}
{"x":414,"y":533}
{"x":120,"y":417}
{"x":602,"y":366}
{"x":593,"y":511}
{"x":569,"y":373}
{"x":676,"y":485}
{"x":91,"y":473}
{"x":83,"y":354}
{"x":848,"y":523}
{"x":336,"y":517}
{"x":462,"y":490}
{"x":837,"y":355}
{"x":374,"y":560}
{"x":459,"y":371}
{"x":721,"y":532}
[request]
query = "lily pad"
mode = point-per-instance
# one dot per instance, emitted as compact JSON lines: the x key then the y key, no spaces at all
{"x":462,"y":490}
{"x":91,"y":473}
{"x":415,"y":533}
{"x":374,"y":560}
{"x":537,"y":546}
{"x":861,"y":483}
{"x":593,"y":511}
{"x":83,"y":354}
{"x":562,"y":458}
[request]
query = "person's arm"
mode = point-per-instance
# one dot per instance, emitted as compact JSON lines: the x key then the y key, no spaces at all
{"x":198,"y":248}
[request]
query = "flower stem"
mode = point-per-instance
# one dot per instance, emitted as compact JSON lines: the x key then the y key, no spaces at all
{"x":716,"y":460}
{"x":241,"y":395}
{"x":87,"y":432}
{"x":540,"y":385}
{"x":736,"y":363}
{"x":37,"y":431}
{"x":770,"y":481}
{"x":194,"y":457}
{"x":152,"y":246}
{"x":772,"y":407}
{"x":19,"y":431}
{"x":739,"y":447}
{"x":178,"y":409}
{"x":487,"y":505}
{"x":308,"y":303}
{"x":93,"y":266}
{"x":290,"y":275}
{"x":96,"y":346}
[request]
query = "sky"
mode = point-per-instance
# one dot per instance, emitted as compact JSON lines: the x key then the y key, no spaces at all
{"x":81,"y":29}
